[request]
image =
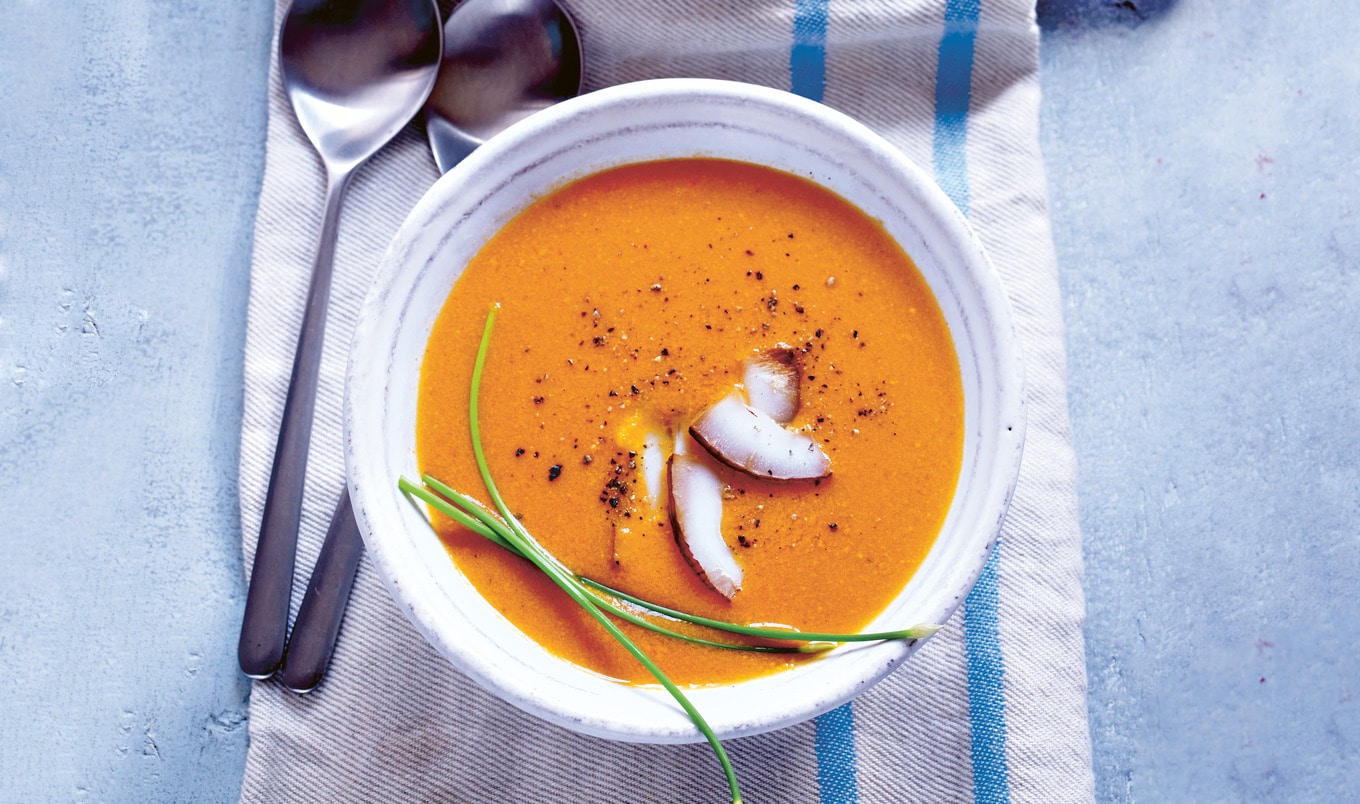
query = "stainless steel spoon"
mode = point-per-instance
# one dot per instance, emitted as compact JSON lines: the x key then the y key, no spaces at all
{"x":503,"y":60}
{"x":356,"y":71}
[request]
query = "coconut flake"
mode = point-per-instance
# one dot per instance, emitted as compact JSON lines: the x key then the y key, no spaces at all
{"x":771,"y":380}
{"x":752,"y":442}
{"x":653,"y":461}
{"x":696,"y":517}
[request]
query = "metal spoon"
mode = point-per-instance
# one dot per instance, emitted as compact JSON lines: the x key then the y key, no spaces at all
{"x":503,"y":60}
{"x":356,"y":72}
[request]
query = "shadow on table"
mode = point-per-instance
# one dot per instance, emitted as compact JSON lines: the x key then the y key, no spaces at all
{"x":1053,"y":14}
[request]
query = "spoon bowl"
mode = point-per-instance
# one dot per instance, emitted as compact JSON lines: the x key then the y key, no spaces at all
{"x":503,"y":60}
{"x":357,"y":72}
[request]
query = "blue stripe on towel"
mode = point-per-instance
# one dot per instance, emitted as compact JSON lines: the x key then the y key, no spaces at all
{"x":807,"y":60}
{"x":953,"y":91}
{"x":835,"y":730}
{"x":836,"y":756}
{"x":986,"y":691}
{"x":981,"y":636}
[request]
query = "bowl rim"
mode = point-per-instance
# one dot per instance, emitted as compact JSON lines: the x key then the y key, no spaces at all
{"x":501,"y":156}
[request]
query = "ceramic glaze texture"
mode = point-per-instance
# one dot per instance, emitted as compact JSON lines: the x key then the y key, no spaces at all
{"x":643,"y":122}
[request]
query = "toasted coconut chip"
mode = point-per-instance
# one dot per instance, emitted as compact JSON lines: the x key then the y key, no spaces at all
{"x":653,"y":461}
{"x":752,"y":442}
{"x":696,"y":517}
{"x":771,"y":380}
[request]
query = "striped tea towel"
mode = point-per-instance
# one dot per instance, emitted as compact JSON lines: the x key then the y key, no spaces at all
{"x":992,"y":709}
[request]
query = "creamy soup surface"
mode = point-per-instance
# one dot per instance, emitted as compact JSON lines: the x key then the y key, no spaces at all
{"x":629,"y":301}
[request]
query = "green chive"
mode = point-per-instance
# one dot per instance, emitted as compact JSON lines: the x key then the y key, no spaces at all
{"x":593,"y":596}
{"x":915,"y":632}
{"x":567,"y":581}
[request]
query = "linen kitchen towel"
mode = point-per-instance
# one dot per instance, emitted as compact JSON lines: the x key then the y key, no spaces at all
{"x":991,"y":709}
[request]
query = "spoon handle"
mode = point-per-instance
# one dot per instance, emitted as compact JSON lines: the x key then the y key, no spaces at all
{"x":265,"y":626}
{"x":323,"y":606}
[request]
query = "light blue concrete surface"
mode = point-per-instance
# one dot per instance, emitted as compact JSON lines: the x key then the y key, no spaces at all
{"x":131,"y":148}
{"x":1203,"y":164}
{"x":1203,"y":161}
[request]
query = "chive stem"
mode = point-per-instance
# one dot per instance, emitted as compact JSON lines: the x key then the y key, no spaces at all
{"x":599,"y":600}
{"x":530,"y":548}
{"x":454,"y":513}
{"x":914,"y":632}
{"x":492,"y":529}
{"x":643,"y":622}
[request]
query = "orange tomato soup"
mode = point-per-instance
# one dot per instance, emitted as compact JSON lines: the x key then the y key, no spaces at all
{"x":629,"y":300}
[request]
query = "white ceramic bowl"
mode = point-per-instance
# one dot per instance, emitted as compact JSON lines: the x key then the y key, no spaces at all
{"x":632,"y":123}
